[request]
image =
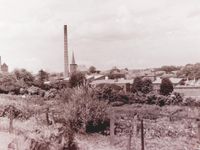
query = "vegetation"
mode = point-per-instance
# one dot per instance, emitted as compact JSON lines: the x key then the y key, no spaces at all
{"x":77,"y":79}
{"x":166,"y":87}
{"x":63,"y":111}
{"x":190,"y":71}
{"x":142,"y":85}
{"x":92,"y":69}
{"x":169,"y":69}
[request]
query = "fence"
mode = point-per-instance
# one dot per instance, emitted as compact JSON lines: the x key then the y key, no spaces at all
{"x":136,"y":120}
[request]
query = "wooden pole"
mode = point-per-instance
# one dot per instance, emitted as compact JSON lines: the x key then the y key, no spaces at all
{"x":142,"y":135}
{"x":134,"y":133}
{"x":11,"y":124}
{"x":112,"y":127}
{"x":129,"y":139}
{"x":198,"y":125}
{"x":129,"y":142}
{"x":198,"y":130}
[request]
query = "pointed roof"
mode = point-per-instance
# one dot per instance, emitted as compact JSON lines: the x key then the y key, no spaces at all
{"x":73,"y":58}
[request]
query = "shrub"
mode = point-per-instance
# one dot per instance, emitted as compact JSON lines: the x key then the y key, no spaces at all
{"x":84,"y":110}
{"x":92,"y":69}
{"x":111,"y":93}
{"x":166,"y":86}
{"x":8,"y":84}
{"x":147,"y":86}
{"x":137,"y":85}
{"x":77,"y":79}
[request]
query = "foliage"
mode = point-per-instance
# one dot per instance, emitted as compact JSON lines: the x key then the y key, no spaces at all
{"x":116,"y":75}
{"x":114,"y":70}
{"x":147,"y":86}
{"x":92,"y":69}
{"x":190,"y":71}
{"x":169,"y":69}
{"x":8,"y":83}
{"x":110,"y":94}
{"x":166,"y":86}
{"x":77,"y":79}
{"x":137,"y":85}
{"x":83,"y":109}
{"x":23,"y":77}
{"x":41,"y":77}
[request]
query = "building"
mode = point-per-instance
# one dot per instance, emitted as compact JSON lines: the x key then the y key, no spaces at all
{"x":124,"y":84}
{"x":175,"y":82}
{"x":66,"y":60}
{"x":3,"y":67}
{"x":73,"y":65}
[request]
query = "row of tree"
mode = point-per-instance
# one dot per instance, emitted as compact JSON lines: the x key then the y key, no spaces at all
{"x":146,"y":86}
{"x":21,"y":78}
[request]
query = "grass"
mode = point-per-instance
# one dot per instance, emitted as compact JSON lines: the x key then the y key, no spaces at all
{"x":179,"y":134}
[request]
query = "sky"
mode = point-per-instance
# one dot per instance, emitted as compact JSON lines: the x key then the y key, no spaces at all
{"x":105,"y":33}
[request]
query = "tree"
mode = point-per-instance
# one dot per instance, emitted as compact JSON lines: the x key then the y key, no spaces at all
{"x":23,"y":77}
{"x":92,"y":69}
{"x":114,"y":70}
{"x":8,"y":83}
{"x":147,"y":86}
{"x":77,"y":79}
{"x":169,"y":69}
{"x":137,"y":85}
{"x":42,"y":76}
{"x":166,"y":87}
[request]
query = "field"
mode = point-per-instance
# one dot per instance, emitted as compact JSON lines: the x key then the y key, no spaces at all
{"x":161,"y":133}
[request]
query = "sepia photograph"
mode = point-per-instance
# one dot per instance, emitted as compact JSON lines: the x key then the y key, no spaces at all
{"x":100,"y":75}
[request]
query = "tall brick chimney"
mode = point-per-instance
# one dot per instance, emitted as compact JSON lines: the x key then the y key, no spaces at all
{"x":66,"y":60}
{"x":0,"y":64}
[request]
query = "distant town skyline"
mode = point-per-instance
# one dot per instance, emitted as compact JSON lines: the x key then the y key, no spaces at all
{"x":128,"y":34}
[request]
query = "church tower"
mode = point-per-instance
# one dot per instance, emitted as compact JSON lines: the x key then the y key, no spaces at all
{"x":0,"y":65}
{"x":66,"y":60}
{"x":73,"y":65}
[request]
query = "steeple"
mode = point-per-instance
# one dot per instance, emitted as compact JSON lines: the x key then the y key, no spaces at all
{"x":73,"y":58}
{"x":73,"y":65}
{"x":0,"y":63}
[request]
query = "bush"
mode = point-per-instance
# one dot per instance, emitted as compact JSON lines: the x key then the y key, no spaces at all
{"x":166,"y":86}
{"x":8,"y":84}
{"x":137,"y":85}
{"x":111,"y":93}
{"x":147,"y":86}
{"x":84,"y":110}
{"x":77,"y":79}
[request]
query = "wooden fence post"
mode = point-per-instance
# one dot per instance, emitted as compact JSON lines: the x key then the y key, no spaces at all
{"x":129,"y":140}
{"x":198,"y":124}
{"x":11,"y":124}
{"x":112,"y":127}
{"x":134,"y":138}
{"x":142,"y":135}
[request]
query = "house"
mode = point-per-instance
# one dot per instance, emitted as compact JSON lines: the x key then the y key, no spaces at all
{"x":158,"y":81}
{"x":123,"y":83}
{"x":93,"y":77}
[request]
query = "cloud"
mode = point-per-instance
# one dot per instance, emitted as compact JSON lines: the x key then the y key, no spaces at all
{"x":128,"y":33}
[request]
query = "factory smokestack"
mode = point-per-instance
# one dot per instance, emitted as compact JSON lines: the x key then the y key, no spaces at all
{"x":66,"y":60}
{"x":0,"y":64}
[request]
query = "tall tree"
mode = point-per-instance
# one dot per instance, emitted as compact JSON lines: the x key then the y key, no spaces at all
{"x":166,"y":86}
{"x":137,"y":84}
{"x":42,"y":76}
{"x":77,"y":79}
{"x":147,"y":86}
{"x":23,"y":77}
{"x":92,"y":69}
